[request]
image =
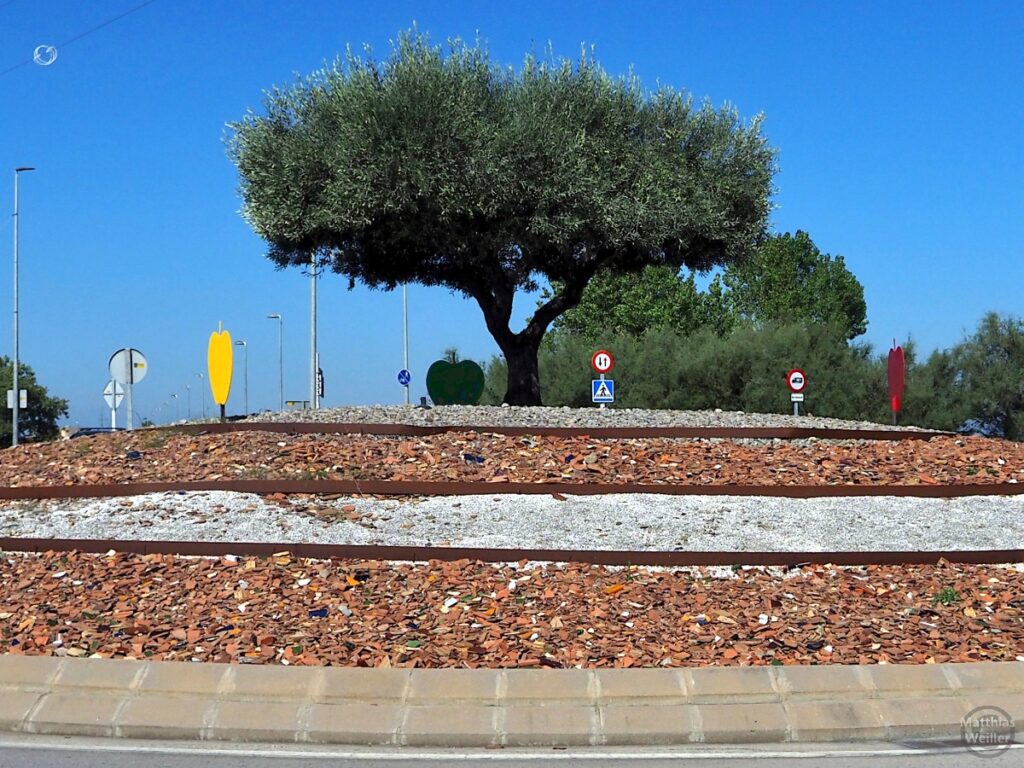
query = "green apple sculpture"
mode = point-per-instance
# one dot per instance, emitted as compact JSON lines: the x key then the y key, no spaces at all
{"x":459,"y":383}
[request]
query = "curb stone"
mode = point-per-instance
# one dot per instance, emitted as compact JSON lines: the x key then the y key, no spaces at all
{"x":499,"y":707}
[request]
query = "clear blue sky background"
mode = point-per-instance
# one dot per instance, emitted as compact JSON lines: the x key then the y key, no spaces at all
{"x":899,"y":128}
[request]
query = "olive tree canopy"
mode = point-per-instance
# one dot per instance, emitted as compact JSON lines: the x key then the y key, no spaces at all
{"x":440,"y":167}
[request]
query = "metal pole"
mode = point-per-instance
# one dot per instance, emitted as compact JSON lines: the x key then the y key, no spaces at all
{"x":113,"y":408}
{"x":13,"y":426}
{"x":188,"y":402}
{"x":131,"y":381}
{"x":203,"y":388}
{"x":314,"y":398}
{"x":405,"y":335}
{"x":17,"y":393}
{"x":796,"y":408}
{"x":280,"y":355}
{"x":245,"y":346}
{"x":280,"y":361}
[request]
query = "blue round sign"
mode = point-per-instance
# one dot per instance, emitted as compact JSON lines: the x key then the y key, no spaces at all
{"x":404,"y":377}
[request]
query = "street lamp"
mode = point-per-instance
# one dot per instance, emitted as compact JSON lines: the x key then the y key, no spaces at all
{"x":203,"y":388}
{"x":245,"y":347}
{"x":280,"y":355}
{"x":314,"y":358}
{"x":175,"y":396}
{"x":188,"y":401}
{"x":17,"y":394}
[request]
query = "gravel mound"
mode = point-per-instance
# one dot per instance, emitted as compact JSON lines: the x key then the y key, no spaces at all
{"x":514,"y":416}
{"x":614,"y":522}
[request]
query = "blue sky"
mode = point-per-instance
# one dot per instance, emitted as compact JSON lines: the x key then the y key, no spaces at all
{"x":899,"y":128}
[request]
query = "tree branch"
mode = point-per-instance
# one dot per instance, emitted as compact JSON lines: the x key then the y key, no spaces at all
{"x":566,"y":299}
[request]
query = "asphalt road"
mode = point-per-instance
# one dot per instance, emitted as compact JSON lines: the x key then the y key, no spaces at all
{"x":60,"y":752}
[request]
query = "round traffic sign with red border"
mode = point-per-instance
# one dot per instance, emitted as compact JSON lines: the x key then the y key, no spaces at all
{"x":602,"y":361}
{"x":796,"y":380}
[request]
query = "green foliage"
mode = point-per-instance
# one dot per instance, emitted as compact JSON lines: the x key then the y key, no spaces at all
{"x":977,"y":384}
{"x":742,"y":370}
{"x":988,"y":376}
{"x":788,"y":280}
{"x":39,"y":420}
{"x":441,"y":167}
{"x":633,"y":303}
{"x":946,"y":596}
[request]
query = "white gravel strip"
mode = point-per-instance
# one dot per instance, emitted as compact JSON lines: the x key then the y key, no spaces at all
{"x":615,"y":522}
{"x":488,"y":415}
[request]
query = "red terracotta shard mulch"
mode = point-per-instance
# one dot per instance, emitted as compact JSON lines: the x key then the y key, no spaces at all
{"x":469,"y":456}
{"x":468,"y":614}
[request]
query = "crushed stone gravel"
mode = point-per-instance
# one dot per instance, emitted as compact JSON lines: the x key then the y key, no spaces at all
{"x":611,"y":522}
{"x":534,"y":416}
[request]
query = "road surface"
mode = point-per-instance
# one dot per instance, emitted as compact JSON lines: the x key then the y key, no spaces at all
{"x":63,"y":752}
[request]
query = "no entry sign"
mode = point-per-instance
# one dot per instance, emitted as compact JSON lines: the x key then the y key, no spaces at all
{"x":602,"y":361}
{"x":796,"y":380}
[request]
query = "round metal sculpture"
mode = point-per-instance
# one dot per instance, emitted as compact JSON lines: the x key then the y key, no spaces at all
{"x":459,"y":383}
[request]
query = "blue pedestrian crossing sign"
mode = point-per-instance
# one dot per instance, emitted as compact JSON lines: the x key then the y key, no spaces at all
{"x":603,"y":390}
{"x":404,"y":377}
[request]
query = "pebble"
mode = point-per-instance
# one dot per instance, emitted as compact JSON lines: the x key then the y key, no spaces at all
{"x":543,"y":416}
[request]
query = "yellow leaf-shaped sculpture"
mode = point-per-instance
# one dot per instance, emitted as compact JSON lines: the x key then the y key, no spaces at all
{"x":219,"y":361}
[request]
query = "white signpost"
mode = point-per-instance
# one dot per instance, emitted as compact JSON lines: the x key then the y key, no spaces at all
{"x":796,"y":380}
{"x":113,"y":393}
{"x":602,"y":390}
{"x":22,"y":399}
{"x":128,"y":366}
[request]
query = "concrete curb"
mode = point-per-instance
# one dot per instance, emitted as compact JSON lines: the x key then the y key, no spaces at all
{"x":513,"y":708}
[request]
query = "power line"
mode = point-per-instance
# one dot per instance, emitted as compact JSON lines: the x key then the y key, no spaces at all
{"x":80,"y":35}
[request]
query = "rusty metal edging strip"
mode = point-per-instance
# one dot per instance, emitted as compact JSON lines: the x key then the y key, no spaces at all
{"x":424,"y":488}
{"x":598,"y":557}
{"x":411,"y":430}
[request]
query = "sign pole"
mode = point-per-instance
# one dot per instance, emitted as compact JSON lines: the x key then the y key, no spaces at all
{"x":602,"y":404}
{"x":314,"y":399}
{"x":405,"y":335}
{"x":131,"y":379}
{"x":113,"y":408}
{"x":796,"y":408}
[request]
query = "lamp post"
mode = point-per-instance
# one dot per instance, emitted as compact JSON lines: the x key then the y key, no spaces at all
{"x":245,"y":347}
{"x":280,"y":355}
{"x":175,"y":396}
{"x":188,"y":402}
{"x":17,"y":393}
{"x":203,"y":388}
{"x":314,"y":362}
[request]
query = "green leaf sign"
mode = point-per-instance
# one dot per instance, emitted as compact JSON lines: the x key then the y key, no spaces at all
{"x":455,"y":383}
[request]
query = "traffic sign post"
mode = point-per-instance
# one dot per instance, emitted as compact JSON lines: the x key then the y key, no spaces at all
{"x":113,"y":393}
{"x":128,"y":366}
{"x":796,"y":380}
{"x":404,"y":377}
{"x":602,"y":361}
{"x":602,"y":390}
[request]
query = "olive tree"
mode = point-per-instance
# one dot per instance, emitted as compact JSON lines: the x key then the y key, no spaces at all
{"x":438,"y":166}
